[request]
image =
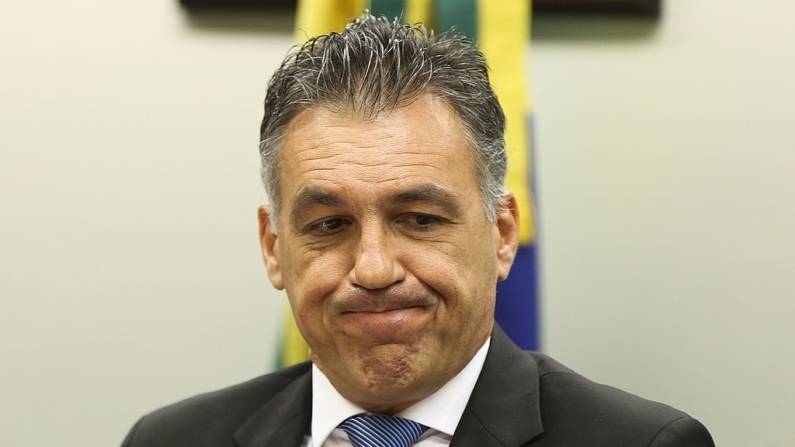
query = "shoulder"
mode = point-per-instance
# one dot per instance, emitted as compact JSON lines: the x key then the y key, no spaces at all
{"x":212,"y":416}
{"x":574,"y":408}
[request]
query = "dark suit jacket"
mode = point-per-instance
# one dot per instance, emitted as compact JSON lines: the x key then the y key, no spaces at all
{"x":520,"y":399}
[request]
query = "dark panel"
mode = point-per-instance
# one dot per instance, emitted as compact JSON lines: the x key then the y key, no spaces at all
{"x":635,"y":7}
{"x":247,"y":4}
{"x":649,"y":8}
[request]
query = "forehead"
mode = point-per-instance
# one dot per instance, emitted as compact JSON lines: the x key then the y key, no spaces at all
{"x":422,"y":142}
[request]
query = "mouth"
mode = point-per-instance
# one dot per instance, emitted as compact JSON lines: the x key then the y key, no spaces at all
{"x":385,"y":316}
{"x":384,"y":310}
{"x":363,"y":302}
{"x":388,"y":316}
{"x":386,"y":326}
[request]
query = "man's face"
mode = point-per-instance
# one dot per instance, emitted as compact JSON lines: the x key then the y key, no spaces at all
{"x":385,"y":251}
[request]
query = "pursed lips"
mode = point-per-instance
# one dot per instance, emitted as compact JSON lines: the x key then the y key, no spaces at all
{"x":368,"y":303}
{"x":385,"y":316}
{"x":385,"y":325}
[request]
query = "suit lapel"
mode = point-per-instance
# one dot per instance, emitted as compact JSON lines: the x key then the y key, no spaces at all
{"x":503,"y":410}
{"x":283,"y":420}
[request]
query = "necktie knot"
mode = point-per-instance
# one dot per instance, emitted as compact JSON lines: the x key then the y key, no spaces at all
{"x":372,"y":430}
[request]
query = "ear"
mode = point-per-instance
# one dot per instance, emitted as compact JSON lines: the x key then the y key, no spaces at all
{"x":508,"y":227}
{"x":270,"y":250}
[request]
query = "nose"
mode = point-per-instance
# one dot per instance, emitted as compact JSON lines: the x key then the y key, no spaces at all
{"x":376,"y":265}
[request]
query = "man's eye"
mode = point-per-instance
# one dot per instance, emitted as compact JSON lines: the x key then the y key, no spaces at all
{"x":423,"y":221}
{"x":328,"y":226}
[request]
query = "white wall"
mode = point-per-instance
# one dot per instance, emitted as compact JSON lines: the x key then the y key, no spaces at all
{"x":130,"y":274}
{"x":666,"y":178}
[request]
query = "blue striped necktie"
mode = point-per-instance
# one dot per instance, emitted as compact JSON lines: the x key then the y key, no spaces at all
{"x":372,"y":430}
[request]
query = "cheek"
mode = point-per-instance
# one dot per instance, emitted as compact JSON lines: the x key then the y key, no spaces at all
{"x":453,"y":270}
{"x":467,"y":274}
{"x":311,"y":276}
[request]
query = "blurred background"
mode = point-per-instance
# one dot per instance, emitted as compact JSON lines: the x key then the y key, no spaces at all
{"x":130,"y":271}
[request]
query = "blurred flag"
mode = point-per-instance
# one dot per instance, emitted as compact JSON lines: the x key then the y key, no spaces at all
{"x":502,"y":31}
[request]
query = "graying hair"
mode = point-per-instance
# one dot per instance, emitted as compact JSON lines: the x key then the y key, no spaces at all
{"x":376,"y":66}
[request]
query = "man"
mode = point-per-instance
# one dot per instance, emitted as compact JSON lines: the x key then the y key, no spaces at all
{"x":389,"y":227}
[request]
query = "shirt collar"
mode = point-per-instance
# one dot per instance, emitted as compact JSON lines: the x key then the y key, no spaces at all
{"x":440,"y":411}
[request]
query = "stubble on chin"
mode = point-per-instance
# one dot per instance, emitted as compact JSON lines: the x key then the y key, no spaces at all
{"x":388,"y":366}
{"x":385,"y":379}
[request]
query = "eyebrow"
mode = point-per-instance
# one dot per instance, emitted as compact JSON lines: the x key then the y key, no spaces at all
{"x":431,"y":194}
{"x":313,"y":196}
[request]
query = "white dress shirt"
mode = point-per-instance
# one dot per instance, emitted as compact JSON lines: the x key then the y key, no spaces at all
{"x":440,"y":411}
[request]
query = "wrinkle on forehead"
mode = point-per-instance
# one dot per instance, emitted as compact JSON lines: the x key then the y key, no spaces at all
{"x":368,"y":132}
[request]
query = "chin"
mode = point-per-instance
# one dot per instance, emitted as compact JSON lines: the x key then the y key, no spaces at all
{"x":389,"y":365}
